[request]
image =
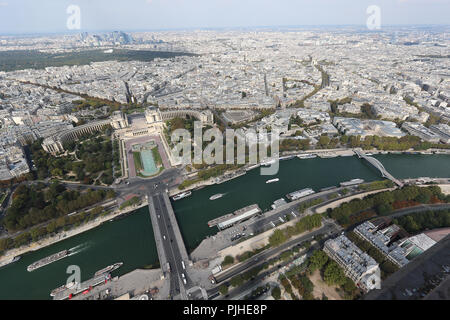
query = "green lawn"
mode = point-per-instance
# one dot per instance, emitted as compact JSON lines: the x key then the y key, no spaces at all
{"x":137,"y":161}
{"x":157,"y":156}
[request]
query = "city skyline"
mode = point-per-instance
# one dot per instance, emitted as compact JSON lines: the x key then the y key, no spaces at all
{"x":47,"y":16}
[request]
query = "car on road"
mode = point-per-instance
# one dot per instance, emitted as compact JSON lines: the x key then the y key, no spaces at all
{"x":164,"y":237}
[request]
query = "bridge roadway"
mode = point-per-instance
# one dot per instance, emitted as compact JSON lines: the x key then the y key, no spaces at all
{"x":377,"y":164}
{"x":169,"y":243}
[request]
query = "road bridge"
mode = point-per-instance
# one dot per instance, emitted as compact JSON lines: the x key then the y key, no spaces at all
{"x":172,"y":252}
{"x":378,"y":165}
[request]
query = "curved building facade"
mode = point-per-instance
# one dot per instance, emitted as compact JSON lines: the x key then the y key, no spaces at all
{"x":55,"y":143}
{"x":153,"y":123}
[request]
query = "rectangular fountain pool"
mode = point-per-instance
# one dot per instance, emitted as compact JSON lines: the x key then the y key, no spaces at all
{"x":148,"y":162}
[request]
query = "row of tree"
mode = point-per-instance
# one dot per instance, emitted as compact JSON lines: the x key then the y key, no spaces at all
{"x":304,"y":286}
{"x":389,"y":143}
{"x":60,"y":223}
{"x":383,"y":202}
{"x":420,"y":221}
{"x":307,"y":204}
{"x":386,"y":266}
{"x":240,"y":279}
{"x":34,"y":204}
{"x":294,"y":144}
{"x":307,"y":223}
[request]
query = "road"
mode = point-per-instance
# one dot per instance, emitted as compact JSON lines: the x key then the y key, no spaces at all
{"x":264,"y":256}
{"x":171,"y":248}
{"x":168,"y":176}
{"x":419,"y":208}
{"x":289,"y":211}
{"x":328,"y":228}
{"x":170,"y":253}
{"x":218,"y":117}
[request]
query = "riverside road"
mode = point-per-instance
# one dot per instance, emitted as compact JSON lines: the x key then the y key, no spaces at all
{"x":329,"y":230}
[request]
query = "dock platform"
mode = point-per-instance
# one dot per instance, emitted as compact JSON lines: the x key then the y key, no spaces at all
{"x":83,"y":286}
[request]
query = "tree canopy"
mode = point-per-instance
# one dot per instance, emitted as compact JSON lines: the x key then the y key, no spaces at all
{"x":33,"y":204}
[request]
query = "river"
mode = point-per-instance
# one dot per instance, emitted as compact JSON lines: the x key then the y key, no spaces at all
{"x":130,"y":239}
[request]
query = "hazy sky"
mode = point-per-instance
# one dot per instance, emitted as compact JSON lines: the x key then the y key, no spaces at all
{"x":35,"y":16}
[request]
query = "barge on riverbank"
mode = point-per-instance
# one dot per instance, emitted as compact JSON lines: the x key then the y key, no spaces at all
{"x":299,"y":194}
{"x":230,"y":219}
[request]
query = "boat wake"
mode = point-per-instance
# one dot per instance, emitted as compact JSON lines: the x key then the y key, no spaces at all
{"x":80,"y":248}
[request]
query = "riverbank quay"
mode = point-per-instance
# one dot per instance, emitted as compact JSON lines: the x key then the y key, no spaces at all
{"x":47,"y":241}
{"x":445,"y":188}
{"x":321,"y":153}
{"x":218,"y":245}
{"x":338,"y":202}
{"x":261,"y":227}
{"x":259,"y":241}
{"x":133,"y":285}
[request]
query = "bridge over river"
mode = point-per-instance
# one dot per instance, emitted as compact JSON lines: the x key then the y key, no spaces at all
{"x":377,"y":164}
{"x":172,"y":253}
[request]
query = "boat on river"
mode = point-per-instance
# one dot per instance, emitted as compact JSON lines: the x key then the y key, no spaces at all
{"x":181,"y":195}
{"x":109,"y":269}
{"x":216,"y":196}
{"x":50,"y":259}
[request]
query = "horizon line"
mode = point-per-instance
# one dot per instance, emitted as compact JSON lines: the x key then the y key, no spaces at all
{"x":72,"y":32}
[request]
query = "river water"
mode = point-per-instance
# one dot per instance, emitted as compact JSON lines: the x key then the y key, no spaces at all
{"x":130,"y":239}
